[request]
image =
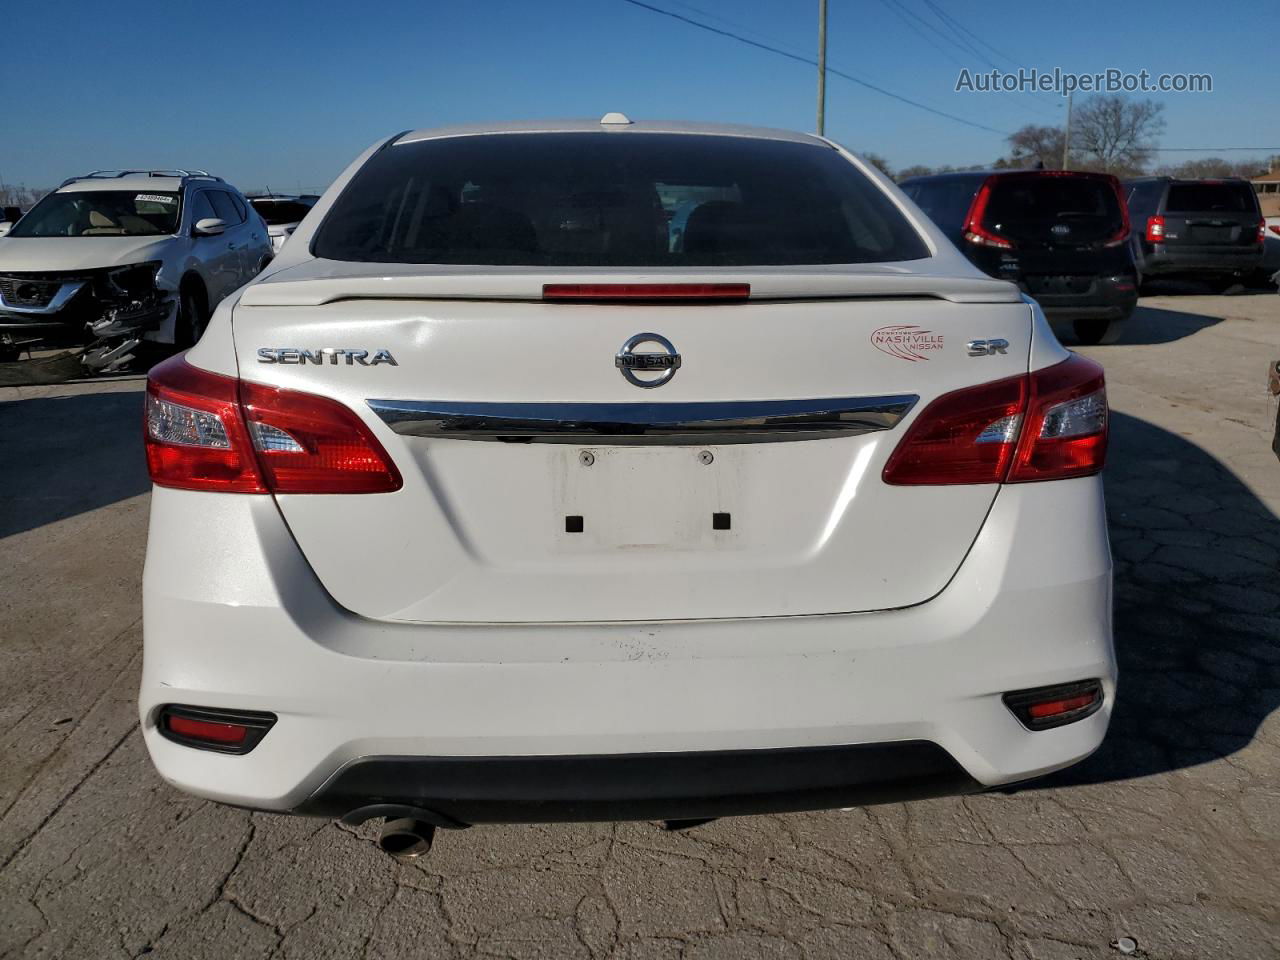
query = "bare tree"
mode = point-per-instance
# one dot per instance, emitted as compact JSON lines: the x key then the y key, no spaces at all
{"x":1034,"y":144}
{"x":1214,"y":167}
{"x":1116,"y":135}
{"x":917,"y":170}
{"x":878,"y":162}
{"x":16,"y":196}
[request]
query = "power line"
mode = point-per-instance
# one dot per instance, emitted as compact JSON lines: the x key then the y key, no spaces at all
{"x":895,"y":8}
{"x":813,"y":63}
{"x":955,"y":40}
{"x":956,"y":24}
{"x":1206,"y":149}
{"x":725,"y":21}
{"x":904,"y":12}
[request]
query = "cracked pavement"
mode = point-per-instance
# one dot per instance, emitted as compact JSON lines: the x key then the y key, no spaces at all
{"x":1170,"y":834}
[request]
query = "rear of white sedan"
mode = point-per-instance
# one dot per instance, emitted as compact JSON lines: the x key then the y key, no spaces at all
{"x":617,"y":471}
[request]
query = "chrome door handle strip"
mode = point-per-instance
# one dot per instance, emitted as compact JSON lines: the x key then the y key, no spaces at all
{"x":59,"y":300}
{"x":754,"y":421}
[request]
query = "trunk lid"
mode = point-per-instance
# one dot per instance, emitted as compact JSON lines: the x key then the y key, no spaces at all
{"x":508,"y":417}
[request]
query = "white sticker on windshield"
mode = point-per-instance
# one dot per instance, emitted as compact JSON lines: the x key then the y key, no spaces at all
{"x":154,"y":198}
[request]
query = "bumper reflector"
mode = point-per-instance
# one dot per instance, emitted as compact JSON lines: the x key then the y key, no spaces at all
{"x":1041,"y":708}
{"x":226,"y":731}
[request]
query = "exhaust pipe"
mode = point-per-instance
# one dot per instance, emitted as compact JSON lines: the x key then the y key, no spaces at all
{"x":406,"y":838}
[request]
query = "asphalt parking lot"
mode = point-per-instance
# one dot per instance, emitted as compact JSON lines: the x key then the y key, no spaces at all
{"x":1169,"y":836}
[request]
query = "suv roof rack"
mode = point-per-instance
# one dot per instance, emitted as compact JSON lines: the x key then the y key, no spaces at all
{"x":117,"y":174}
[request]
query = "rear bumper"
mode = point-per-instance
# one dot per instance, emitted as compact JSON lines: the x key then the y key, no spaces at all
{"x":485,"y":719}
{"x":649,"y":786}
{"x":1165,"y":259}
{"x":1104,"y":300}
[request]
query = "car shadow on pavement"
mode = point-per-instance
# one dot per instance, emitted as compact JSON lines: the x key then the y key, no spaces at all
{"x":1197,"y":608}
{"x":63,"y":456}
{"x":1150,"y":325}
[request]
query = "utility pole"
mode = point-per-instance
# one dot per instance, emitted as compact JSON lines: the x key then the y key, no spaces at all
{"x":822,"y":67}
{"x":1066,"y":138}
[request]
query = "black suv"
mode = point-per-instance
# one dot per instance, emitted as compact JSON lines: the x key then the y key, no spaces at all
{"x":1210,"y":230}
{"x":1062,"y":236}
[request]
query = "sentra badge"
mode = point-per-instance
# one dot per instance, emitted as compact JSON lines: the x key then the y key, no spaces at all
{"x":331,"y":355}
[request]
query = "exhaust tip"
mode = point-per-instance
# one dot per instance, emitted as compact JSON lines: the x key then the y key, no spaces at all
{"x":406,"y":838}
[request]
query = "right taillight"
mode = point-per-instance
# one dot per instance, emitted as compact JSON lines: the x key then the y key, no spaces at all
{"x":1047,"y":425}
{"x":205,"y":431}
{"x":1155,"y":229}
{"x":1065,"y":431}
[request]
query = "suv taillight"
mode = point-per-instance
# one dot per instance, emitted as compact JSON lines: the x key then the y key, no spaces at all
{"x":205,"y":431}
{"x":1262,"y":230}
{"x":974,"y":230}
{"x":1155,"y":229}
{"x":1122,"y":234}
{"x":1047,"y":425}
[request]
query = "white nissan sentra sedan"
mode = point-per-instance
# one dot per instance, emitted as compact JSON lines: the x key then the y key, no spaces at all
{"x":497,"y":498}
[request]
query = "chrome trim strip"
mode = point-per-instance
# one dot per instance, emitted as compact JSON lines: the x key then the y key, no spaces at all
{"x":754,"y":421}
{"x":65,"y":293}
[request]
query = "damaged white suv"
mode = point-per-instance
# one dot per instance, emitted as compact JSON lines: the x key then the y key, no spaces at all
{"x":581,"y":471}
{"x":114,"y":258}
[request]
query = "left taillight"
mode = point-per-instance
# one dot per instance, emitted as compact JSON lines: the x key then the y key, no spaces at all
{"x":196,"y":437}
{"x":205,"y":431}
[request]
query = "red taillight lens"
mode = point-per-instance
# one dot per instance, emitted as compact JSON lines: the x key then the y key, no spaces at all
{"x":963,"y":437}
{"x":208,"y":432}
{"x":1065,"y":433}
{"x":974,"y":229}
{"x":1121,"y":235}
{"x":1155,"y":229}
{"x":1274,"y":228}
{"x":646,"y":291}
{"x":195,"y":436}
{"x":1049,"y":425}
{"x":1262,"y":230}
{"x":311,"y":444}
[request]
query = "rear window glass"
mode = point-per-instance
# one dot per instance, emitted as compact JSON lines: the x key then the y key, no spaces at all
{"x":604,"y":199}
{"x":1201,"y":197}
{"x":276,"y":212}
{"x":947,"y":201}
{"x":1051,"y":198}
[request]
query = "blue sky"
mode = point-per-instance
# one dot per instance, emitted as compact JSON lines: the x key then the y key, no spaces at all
{"x":285,"y":95}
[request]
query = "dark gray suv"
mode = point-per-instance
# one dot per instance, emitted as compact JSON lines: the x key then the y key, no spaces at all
{"x":1210,"y":230}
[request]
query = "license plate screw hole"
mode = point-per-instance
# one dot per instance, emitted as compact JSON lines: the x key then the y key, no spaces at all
{"x":586,"y":458}
{"x":705,"y":457}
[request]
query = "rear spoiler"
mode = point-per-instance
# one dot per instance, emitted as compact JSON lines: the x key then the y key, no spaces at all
{"x":317,"y":282}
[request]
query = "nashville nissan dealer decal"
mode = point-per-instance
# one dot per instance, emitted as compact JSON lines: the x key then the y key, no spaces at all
{"x":906,"y":341}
